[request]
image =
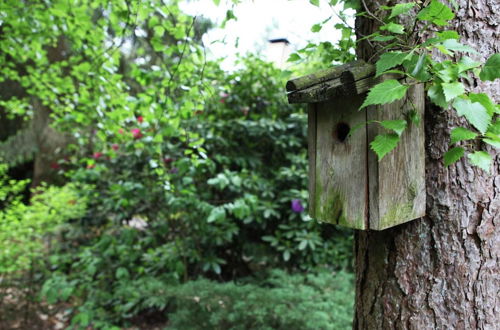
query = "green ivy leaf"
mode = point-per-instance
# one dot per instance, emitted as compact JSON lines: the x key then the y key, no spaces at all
{"x":485,"y":101}
{"x":495,"y":142}
{"x":389,"y":60}
{"x":449,"y":34}
{"x":491,"y":69}
{"x":452,"y":155}
{"x":452,"y":90}
{"x":481,"y":159}
{"x":385,"y":92}
{"x":475,"y":113}
{"x":294,"y":57}
{"x":461,"y":134}
{"x":397,"y":126}
{"x":453,"y":44}
{"x":393,"y":27}
{"x":316,"y":28}
{"x":384,"y":143}
{"x":401,"y":8}
{"x":436,"y":13}
{"x":466,"y":63}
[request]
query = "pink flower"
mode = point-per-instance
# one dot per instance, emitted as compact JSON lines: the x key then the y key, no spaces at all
{"x":140,"y":119}
{"x":97,"y":155}
{"x":120,"y":131}
{"x":114,"y":146}
{"x":136,"y":133}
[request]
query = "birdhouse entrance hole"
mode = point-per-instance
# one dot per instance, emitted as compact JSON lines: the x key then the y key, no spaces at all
{"x":342,"y":131}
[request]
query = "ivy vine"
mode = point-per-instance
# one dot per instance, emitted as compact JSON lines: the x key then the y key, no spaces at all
{"x":402,"y":52}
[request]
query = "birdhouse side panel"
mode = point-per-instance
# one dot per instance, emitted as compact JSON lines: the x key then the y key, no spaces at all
{"x":397,"y":182}
{"x":340,"y":184}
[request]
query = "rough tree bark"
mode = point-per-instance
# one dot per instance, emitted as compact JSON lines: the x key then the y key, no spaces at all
{"x":441,"y":271}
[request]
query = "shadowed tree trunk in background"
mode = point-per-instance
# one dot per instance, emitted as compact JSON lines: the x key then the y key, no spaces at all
{"x":441,"y":271}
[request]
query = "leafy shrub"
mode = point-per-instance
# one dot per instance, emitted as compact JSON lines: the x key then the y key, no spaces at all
{"x":313,"y":301}
{"x":317,"y":300}
{"x":23,"y":227}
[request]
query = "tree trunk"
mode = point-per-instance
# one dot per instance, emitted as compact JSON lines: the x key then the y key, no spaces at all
{"x":441,"y":271}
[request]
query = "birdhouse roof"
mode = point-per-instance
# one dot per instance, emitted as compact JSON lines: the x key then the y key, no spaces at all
{"x":352,"y":78}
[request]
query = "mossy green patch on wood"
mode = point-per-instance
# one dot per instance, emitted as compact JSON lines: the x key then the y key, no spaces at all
{"x":331,"y":206}
{"x":395,"y":214}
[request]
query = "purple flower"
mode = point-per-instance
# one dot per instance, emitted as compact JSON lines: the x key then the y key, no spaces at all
{"x":174,"y":170}
{"x":297,"y":206}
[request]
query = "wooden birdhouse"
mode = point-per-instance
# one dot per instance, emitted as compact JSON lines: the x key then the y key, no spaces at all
{"x":348,"y":185}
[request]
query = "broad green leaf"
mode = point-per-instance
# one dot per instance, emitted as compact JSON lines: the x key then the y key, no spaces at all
{"x":384,"y":143}
{"x":437,"y":13}
{"x":217,"y":213}
{"x":436,"y":95}
{"x":452,"y":90}
{"x":449,"y":34}
{"x":294,"y":57}
{"x":481,"y":159}
{"x":452,"y":155}
{"x":397,"y":126}
{"x":466,"y":63}
{"x":461,"y":134}
{"x":393,"y":27}
{"x":417,"y":67}
{"x":389,"y":60}
{"x":314,"y":2}
{"x":453,"y":44}
{"x":401,"y":8}
{"x":475,"y":113}
{"x":493,"y":142}
{"x":485,"y":101}
{"x":494,"y":128}
{"x":316,"y":28}
{"x":385,"y":92}
{"x":491,"y":69}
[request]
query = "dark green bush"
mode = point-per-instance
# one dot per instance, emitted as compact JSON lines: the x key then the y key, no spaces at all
{"x":320,"y":300}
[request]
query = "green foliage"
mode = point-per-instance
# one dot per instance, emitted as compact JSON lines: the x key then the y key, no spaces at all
{"x":385,"y":92}
{"x":23,"y":227}
{"x":444,"y":79}
{"x":491,"y":69}
{"x":276,"y":301}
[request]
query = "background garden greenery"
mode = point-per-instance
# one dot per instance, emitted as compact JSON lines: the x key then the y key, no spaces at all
{"x":182,"y":187}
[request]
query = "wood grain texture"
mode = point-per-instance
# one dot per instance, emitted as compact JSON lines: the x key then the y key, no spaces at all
{"x":311,"y":151}
{"x":397,"y":182}
{"x":340,"y":176}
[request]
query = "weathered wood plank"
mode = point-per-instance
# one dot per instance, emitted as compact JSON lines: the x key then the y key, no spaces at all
{"x":335,"y":88}
{"x":341,"y":179}
{"x":311,"y":151}
{"x":325,"y":75}
{"x":397,"y":182}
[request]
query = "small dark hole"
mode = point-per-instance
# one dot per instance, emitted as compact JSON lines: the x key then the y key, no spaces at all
{"x":342,"y":131}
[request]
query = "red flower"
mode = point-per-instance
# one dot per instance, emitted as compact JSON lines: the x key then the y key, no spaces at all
{"x":97,"y":155}
{"x":140,"y":119}
{"x":54,"y":166}
{"x":120,"y":131}
{"x":136,"y":133}
{"x":114,"y":146}
{"x":167,"y":160}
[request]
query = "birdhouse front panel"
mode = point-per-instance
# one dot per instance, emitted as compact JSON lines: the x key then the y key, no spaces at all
{"x":340,"y":190}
